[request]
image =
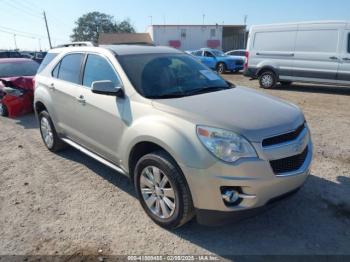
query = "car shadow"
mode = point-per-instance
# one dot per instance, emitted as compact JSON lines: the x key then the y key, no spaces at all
{"x":312,"y":88}
{"x":314,"y":221}
{"x":27,"y":121}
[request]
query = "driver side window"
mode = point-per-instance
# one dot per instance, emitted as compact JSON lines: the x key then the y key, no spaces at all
{"x":98,"y":68}
{"x":208,"y":54}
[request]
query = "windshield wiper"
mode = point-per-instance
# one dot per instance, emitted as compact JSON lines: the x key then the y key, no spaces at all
{"x":207,"y":89}
{"x":170,"y":95}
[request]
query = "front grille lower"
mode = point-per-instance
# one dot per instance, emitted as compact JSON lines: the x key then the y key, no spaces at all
{"x":289,"y":164}
{"x":283,"y":138}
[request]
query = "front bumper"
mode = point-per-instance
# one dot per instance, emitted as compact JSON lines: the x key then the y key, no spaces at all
{"x":255,"y":177}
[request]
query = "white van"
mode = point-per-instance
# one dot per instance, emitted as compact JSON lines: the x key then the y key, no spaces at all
{"x":316,"y":52}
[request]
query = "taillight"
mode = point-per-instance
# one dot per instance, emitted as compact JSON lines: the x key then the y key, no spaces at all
{"x":246,"y":60}
{"x":33,"y":82}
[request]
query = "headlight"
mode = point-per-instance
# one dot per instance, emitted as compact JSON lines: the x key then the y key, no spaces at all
{"x":225,"y":145}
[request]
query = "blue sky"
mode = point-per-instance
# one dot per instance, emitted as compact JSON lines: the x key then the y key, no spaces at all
{"x":25,"y":16}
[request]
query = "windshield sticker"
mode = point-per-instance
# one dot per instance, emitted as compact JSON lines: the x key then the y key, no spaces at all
{"x":210,"y":75}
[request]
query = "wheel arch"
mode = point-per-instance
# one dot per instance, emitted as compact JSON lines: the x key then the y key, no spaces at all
{"x":267,"y":68}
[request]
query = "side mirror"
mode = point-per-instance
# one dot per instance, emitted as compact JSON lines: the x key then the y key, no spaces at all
{"x":106,"y":87}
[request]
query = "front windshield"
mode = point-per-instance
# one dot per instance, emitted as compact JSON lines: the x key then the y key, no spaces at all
{"x":18,"y":69}
{"x":218,"y":53}
{"x":170,"y":75}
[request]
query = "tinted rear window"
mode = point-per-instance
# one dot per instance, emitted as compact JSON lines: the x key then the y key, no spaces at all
{"x":28,"y":68}
{"x":48,"y":58}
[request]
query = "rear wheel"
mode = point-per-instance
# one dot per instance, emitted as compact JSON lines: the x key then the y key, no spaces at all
{"x":162,"y":190}
{"x":267,"y":79}
{"x":48,"y":133}
{"x":221,"y":68}
{"x":3,"y":110}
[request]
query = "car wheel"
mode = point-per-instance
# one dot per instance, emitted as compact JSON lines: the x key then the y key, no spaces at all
{"x":221,"y":68}
{"x":286,"y":83}
{"x":267,"y":79}
{"x":3,"y":110}
{"x":48,"y":133}
{"x":162,"y":190}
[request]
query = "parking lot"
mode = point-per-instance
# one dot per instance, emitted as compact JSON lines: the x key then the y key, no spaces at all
{"x":71,"y":204}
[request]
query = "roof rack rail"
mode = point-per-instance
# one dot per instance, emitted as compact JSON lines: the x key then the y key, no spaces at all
{"x":77,"y":44}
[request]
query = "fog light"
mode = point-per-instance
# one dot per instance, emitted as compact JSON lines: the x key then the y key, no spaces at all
{"x":230,"y":196}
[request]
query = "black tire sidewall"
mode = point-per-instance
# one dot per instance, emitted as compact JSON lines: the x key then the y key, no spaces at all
{"x":163,"y":165}
{"x":272,"y":74}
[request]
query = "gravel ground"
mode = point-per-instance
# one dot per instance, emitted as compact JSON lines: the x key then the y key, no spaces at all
{"x":70,"y":204}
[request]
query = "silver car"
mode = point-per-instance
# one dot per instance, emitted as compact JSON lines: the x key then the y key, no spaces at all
{"x":192,"y":143}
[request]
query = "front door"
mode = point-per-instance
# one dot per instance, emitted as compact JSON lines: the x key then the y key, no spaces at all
{"x":99,"y":116}
{"x":344,"y":67}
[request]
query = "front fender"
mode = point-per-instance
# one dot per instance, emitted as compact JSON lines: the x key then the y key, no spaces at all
{"x":176,"y":136}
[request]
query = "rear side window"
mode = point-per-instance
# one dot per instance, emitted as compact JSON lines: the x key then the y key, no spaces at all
{"x":275,"y":41}
{"x":69,"y":69}
{"x":48,"y":58}
{"x":98,"y":68}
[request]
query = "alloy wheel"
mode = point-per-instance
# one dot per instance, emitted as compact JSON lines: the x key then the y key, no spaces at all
{"x":157,"y":192}
{"x":46,"y":132}
{"x":267,"y":80}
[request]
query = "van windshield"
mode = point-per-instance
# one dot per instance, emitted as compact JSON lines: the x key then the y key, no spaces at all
{"x":160,"y":76}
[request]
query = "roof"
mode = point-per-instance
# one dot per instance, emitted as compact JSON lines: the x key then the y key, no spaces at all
{"x":15,"y":60}
{"x":201,"y":25}
{"x":305,"y":23}
{"x":139,"y":49}
{"x":124,"y":38}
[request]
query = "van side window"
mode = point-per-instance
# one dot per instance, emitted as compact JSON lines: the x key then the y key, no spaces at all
{"x":98,"y":68}
{"x":69,"y":69}
{"x":275,"y":41}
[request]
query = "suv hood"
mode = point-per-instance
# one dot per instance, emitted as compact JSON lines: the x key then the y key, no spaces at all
{"x":247,"y":112}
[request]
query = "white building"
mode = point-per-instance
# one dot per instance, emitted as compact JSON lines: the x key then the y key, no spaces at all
{"x":191,"y":37}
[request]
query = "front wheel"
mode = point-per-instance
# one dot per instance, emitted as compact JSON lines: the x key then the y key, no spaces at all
{"x":3,"y":110}
{"x":221,"y":68}
{"x":162,"y":190}
{"x":267,"y":79}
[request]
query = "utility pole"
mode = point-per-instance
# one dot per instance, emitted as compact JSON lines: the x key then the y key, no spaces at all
{"x":151,"y":19}
{"x":203,"y":18}
{"x":14,"y":38}
{"x":47,"y":29}
{"x":245,"y":31}
{"x":39,"y":40}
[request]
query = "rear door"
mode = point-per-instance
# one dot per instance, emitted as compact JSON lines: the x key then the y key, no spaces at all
{"x":316,"y":54}
{"x":99,"y":116}
{"x":343,"y":76}
{"x":63,"y":87}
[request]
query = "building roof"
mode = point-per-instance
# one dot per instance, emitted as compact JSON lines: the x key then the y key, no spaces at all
{"x":124,"y":38}
{"x":139,"y":49}
{"x":170,"y":25}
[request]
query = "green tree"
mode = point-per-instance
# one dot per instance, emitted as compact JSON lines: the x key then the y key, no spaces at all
{"x":89,"y":26}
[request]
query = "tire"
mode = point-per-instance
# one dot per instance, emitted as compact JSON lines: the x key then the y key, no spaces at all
{"x":158,"y":207}
{"x":285,"y":83}
{"x":221,"y":68}
{"x":49,"y":134}
{"x":267,"y":79}
{"x":3,"y":110}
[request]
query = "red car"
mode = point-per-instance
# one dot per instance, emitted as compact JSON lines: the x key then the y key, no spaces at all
{"x":16,"y":86}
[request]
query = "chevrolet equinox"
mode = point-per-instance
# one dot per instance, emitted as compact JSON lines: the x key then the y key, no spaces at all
{"x":192,"y":143}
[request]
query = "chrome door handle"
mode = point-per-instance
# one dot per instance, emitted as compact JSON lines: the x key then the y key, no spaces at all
{"x":346,"y":59}
{"x":81,"y":100}
{"x":333,"y":58}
